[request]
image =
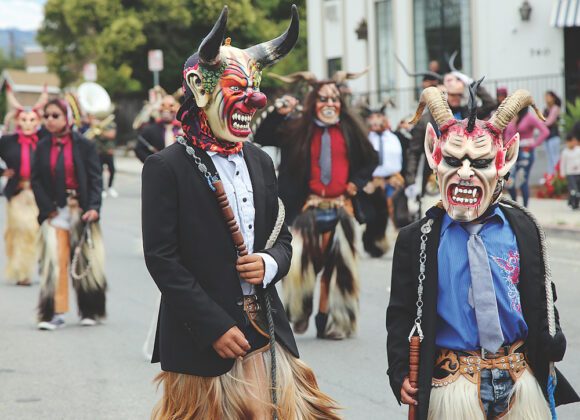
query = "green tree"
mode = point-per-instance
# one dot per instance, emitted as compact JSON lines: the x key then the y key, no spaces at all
{"x":116,"y":35}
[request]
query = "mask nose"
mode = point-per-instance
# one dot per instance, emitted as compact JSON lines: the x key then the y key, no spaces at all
{"x":255,"y":99}
{"x":465,"y":172}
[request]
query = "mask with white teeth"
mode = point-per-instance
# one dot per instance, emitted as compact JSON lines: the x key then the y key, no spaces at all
{"x":470,"y":156}
{"x":328,"y":104}
{"x":225,"y":81}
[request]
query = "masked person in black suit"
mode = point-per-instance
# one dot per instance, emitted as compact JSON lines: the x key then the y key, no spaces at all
{"x":215,"y":269}
{"x":471,"y":283}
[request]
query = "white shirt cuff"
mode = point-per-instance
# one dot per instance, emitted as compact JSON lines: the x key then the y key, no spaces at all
{"x":270,"y":268}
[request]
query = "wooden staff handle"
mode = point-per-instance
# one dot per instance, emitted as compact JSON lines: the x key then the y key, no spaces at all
{"x":414,"y":348}
{"x":228,"y":215}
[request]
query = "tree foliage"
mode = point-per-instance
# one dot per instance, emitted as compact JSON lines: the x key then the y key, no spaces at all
{"x":117,"y":34}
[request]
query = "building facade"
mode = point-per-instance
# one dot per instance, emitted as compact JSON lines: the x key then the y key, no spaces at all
{"x":515,"y":44}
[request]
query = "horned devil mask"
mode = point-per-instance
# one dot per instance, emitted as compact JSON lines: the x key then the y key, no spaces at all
{"x":470,"y":157}
{"x":225,"y":81}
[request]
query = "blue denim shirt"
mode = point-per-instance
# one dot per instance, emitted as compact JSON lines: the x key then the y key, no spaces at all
{"x":457,"y":325}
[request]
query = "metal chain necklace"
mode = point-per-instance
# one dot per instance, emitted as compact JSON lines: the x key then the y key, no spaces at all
{"x":425,"y":230}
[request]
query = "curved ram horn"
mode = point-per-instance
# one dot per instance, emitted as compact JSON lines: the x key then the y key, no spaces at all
{"x":12,"y":99}
{"x":268,"y":53}
{"x":42,"y":100}
{"x":209,"y":50}
{"x":452,"y":61}
{"x":510,"y":107}
{"x":340,"y":76}
{"x":294,"y":77}
{"x":438,"y":106}
{"x":417,"y":74}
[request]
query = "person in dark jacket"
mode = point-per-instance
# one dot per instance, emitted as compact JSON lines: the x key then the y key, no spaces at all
{"x":216,"y":269}
{"x":471,"y":281}
{"x":160,"y":134}
{"x":66,"y":180}
{"x":326,"y":159}
{"x":17,"y":150}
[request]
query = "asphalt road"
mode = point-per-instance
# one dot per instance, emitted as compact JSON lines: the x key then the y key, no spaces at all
{"x":101,"y":373}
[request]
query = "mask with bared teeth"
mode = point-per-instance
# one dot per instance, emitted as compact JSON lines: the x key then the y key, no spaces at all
{"x":470,"y":156}
{"x":224,"y":81}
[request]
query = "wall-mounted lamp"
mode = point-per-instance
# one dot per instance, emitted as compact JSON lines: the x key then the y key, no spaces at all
{"x":362,"y":30}
{"x":525,"y":11}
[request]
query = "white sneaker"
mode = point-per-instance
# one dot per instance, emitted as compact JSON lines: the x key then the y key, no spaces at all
{"x":113,"y":193}
{"x":88,"y":322}
{"x":104,"y":194}
{"x":57,"y":321}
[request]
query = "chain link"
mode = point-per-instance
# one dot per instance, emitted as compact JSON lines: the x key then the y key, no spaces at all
{"x":425,"y":230}
{"x":200,"y":165}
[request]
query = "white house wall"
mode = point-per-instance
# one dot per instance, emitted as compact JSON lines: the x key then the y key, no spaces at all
{"x":503,"y":46}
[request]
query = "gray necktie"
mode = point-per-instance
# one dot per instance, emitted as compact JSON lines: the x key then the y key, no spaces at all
{"x":486,"y":314}
{"x":325,"y":159}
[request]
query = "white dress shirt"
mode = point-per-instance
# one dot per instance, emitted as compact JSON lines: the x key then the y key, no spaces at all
{"x":235,"y":177}
{"x":392,"y":153}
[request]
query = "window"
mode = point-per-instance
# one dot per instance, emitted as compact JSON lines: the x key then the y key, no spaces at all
{"x":442,"y":27}
{"x":333,"y":65}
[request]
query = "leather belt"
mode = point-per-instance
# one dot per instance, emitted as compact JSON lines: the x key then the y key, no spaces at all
{"x":251,"y":304}
{"x":450,"y":364}
{"x":324,"y":203}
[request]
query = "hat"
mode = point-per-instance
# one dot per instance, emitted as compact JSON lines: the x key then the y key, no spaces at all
{"x":501,"y":91}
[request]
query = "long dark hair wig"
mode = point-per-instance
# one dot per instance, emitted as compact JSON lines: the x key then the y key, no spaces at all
{"x":298,"y":134}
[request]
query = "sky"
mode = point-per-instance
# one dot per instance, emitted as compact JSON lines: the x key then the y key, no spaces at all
{"x":25,"y":15}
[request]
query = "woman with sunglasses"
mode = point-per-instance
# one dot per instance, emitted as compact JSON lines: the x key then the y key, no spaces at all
{"x":16,"y":150}
{"x":66,"y":179}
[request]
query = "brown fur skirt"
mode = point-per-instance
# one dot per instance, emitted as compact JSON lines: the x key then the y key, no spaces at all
{"x":244,"y":392}
{"x":21,"y":236}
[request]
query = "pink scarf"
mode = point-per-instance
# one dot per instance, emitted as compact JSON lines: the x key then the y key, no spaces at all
{"x":25,"y":143}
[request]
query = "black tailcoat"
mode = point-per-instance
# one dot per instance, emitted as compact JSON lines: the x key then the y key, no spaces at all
{"x":191,"y":256}
{"x":87,"y":170}
{"x":10,"y":153}
{"x":402,"y":308}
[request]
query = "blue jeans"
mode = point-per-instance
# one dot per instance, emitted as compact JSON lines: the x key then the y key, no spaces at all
{"x":522,"y":175}
{"x":552,"y":152}
{"x":326,"y":220}
{"x":256,"y":340}
{"x":496,"y":385}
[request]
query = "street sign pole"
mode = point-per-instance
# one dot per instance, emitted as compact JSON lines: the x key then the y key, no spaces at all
{"x":155,"y":62}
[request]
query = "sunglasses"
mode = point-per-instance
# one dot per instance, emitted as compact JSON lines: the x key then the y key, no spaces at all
{"x":323,"y":98}
{"x":55,"y":115}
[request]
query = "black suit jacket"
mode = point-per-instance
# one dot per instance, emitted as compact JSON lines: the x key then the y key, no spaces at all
{"x":402,"y":308}
{"x":155,"y":136}
{"x":10,"y":153}
{"x":191,"y":256}
{"x":87,"y":171}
